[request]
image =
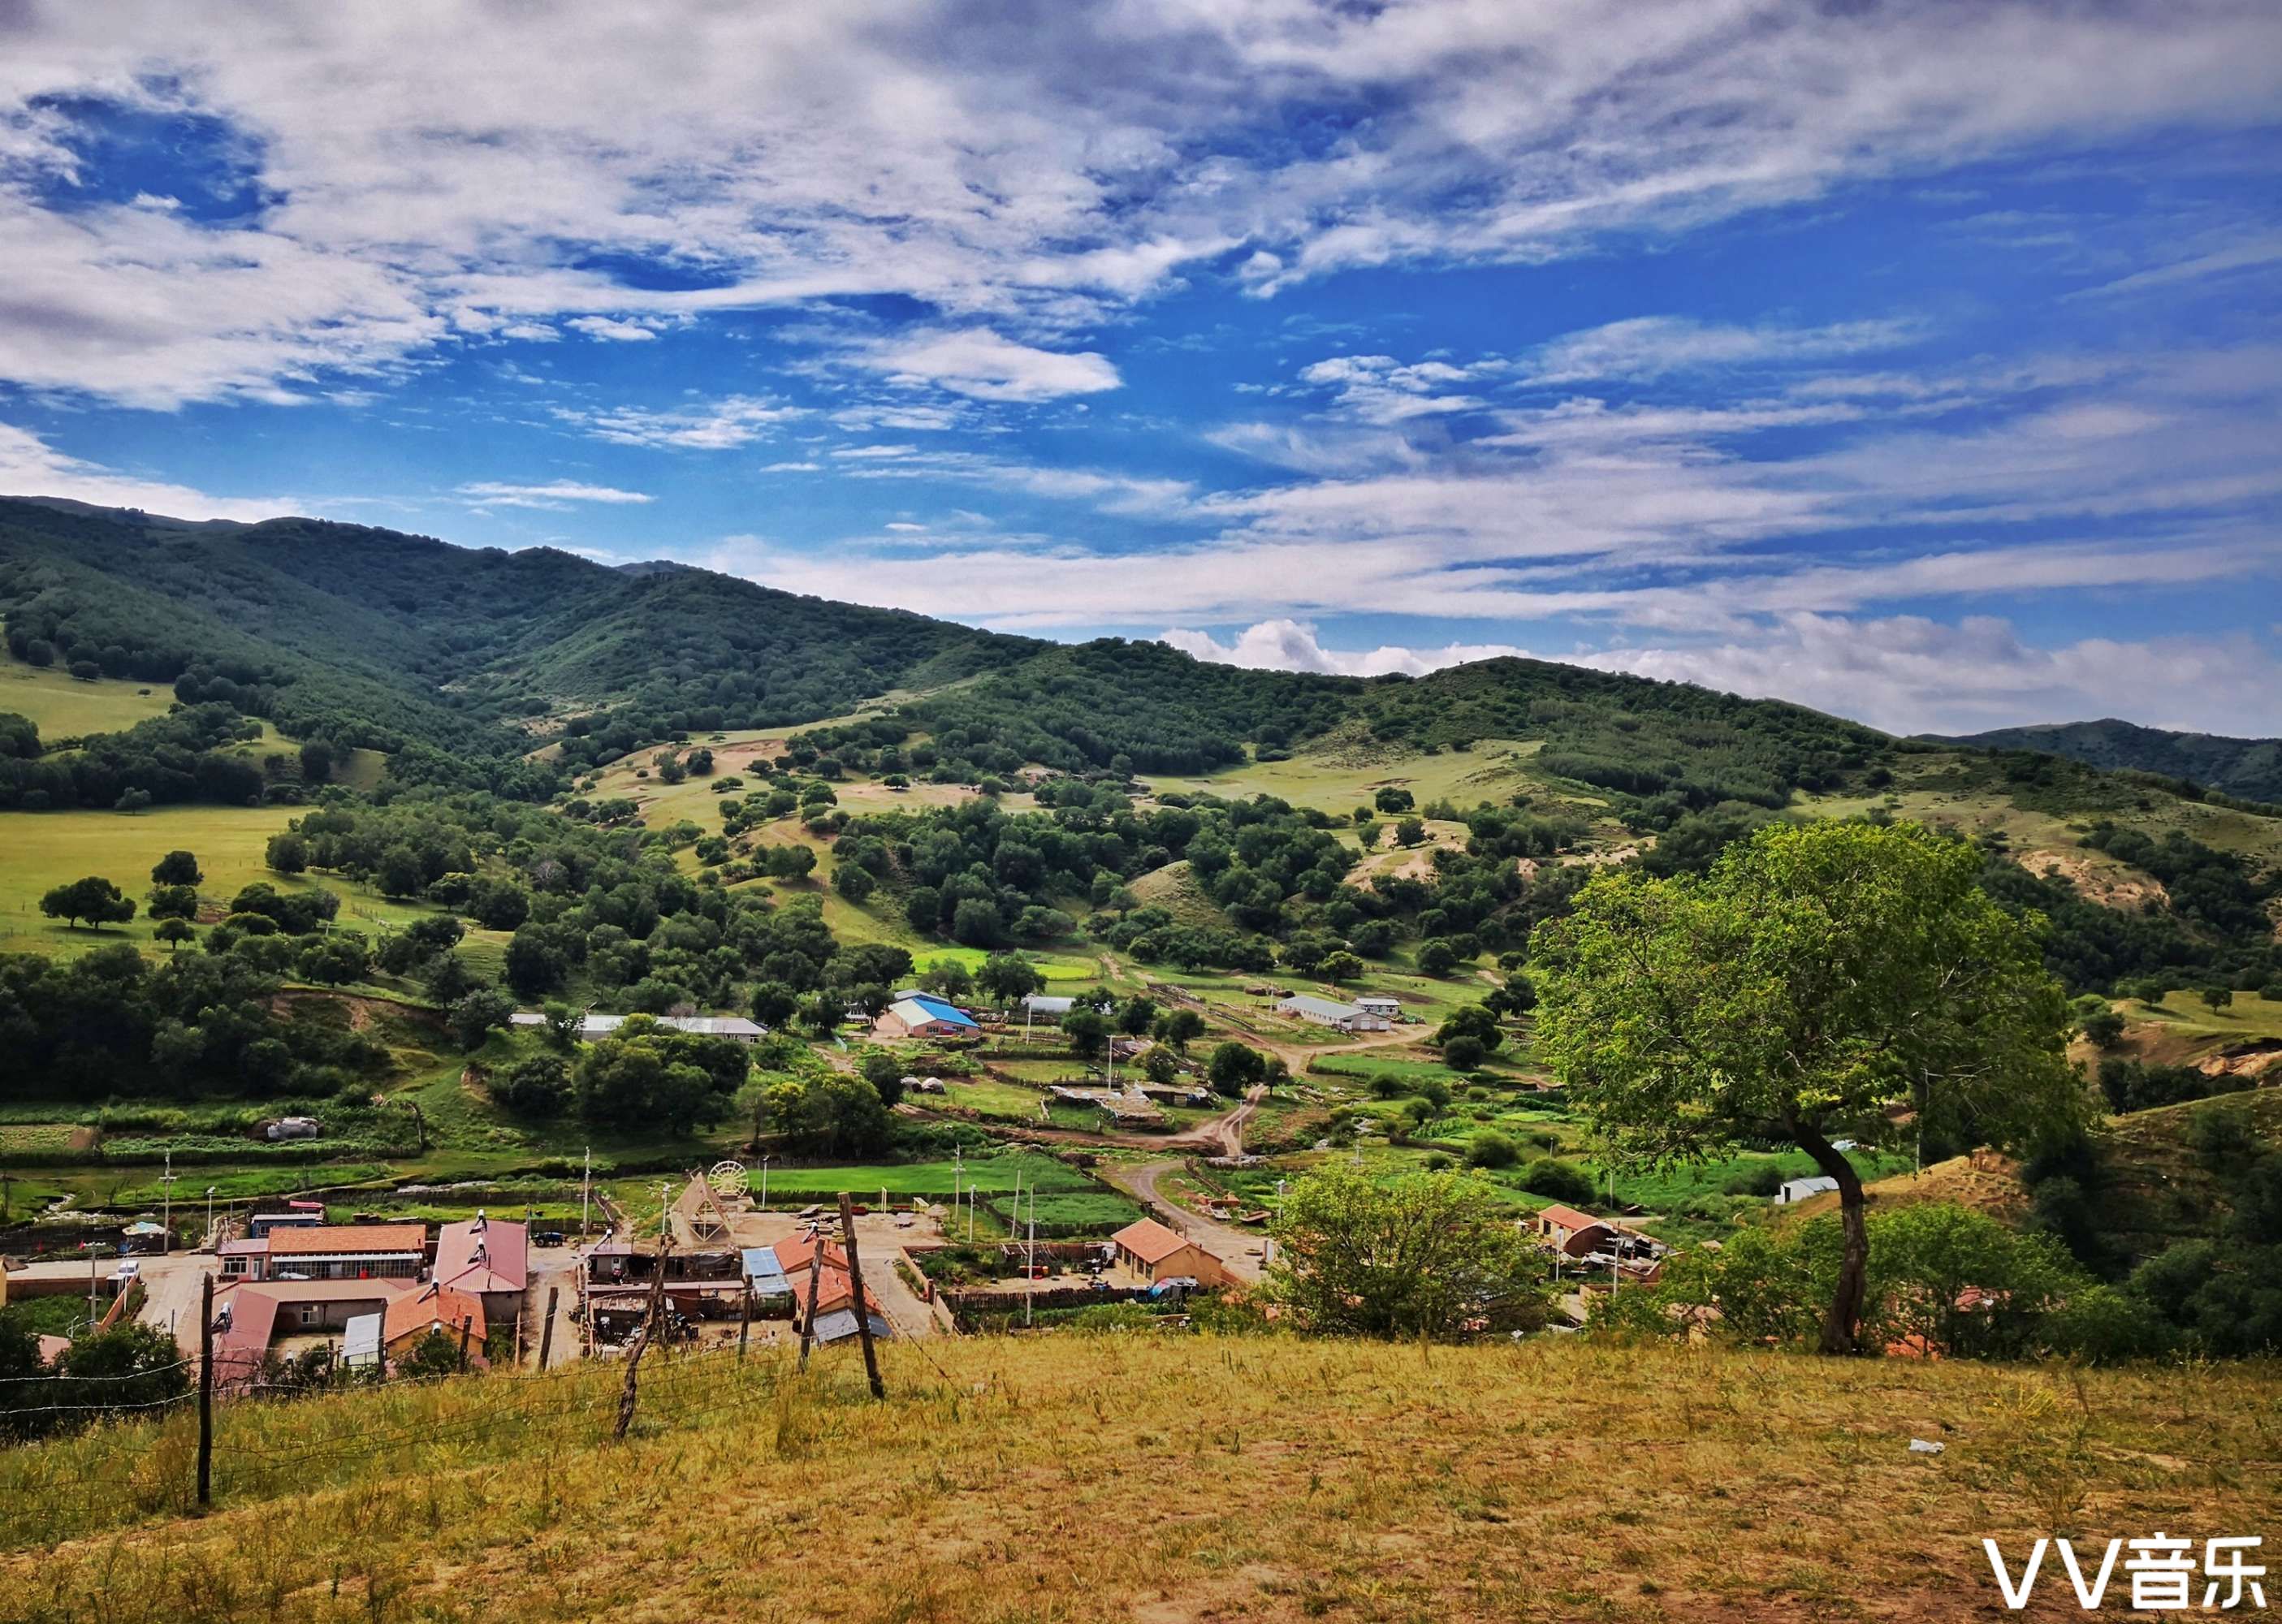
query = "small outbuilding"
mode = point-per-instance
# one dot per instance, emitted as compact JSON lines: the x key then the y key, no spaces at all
{"x":1799,"y":1189}
{"x":1155,"y":1252}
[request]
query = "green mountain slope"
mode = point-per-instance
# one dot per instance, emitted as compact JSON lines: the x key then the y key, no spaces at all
{"x":372,"y":637}
{"x":2251,"y":768}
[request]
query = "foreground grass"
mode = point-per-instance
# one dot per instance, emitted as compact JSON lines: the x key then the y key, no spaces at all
{"x":1144,"y":1477}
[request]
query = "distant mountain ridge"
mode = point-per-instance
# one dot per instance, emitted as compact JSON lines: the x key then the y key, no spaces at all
{"x":2251,"y":768}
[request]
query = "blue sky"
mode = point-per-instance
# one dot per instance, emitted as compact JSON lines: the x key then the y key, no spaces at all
{"x":1921,"y":361}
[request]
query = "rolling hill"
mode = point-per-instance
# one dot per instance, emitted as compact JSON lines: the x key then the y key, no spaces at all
{"x":2251,"y":768}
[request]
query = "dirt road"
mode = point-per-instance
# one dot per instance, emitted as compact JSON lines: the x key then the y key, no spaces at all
{"x":1239,"y":1248}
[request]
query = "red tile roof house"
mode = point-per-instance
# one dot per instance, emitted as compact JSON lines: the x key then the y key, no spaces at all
{"x":1155,"y":1252}
{"x":249,"y":1316}
{"x":835,"y":1292}
{"x":487,"y":1259}
{"x":1570,"y":1232}
{"x":412,"y":1316}
{"x":331,"y":1252}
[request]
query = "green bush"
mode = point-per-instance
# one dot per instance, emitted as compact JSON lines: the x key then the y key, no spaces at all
{"x":1557,"y":1180}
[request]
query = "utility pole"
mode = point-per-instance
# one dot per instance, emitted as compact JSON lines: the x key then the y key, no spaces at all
{"x":205,"y":1390}
{"x":764,"y":1184}
{"x":585,"y":1189}
{"x":167,"y":1219}
{"x":210,"y":1228}
{"x":1030,"y":1261}
{"x":856,"y":1290}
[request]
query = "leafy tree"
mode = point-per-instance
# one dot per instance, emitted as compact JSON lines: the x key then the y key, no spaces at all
{"x":774,"y":1004}
{"x":2103,"y":1029}
{"x":788,"y":862}
{"x":1341,"y":967}
{"x":1390,"y":799}
{"x":1436,"y":958}
{"x":172,"y":902}
{"x":1426,"y":1255}
{"x":95,"y":899}
{"x":854,"y":881}
{"x":1491,"y":1148}
{"x":885,"y":1072}
{"x":563,"y":1021}
{"x":1159,"y":1066}
{"x":829,"y":1113}
{"x":949,"y":978}
{"x":173,"y":932}
{"x":433,"y":1356}
{"x":537,"y":1085}
{"x":1464,"y":1053}
{"x":177,"y":868}
{"x":1087,"y":1031}
{"x":130,"y":1364}
{"x":1180,"y":1027}
{"x":2216,"y":998}
{"x":1819,"y":978}
{"x":1136,"y":1016}
{"x":478,"y":1015}
{"x":286,"y":853}
{"x":1009,"y":978}
{"x":317,"y":762}
{"x":1235,"y":1067}
{"x":1408,"y":832}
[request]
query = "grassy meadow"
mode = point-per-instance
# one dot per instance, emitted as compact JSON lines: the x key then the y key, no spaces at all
{"x":64,"y":707}
{"x":1008,"y":1480}
{"x":42,"y":849}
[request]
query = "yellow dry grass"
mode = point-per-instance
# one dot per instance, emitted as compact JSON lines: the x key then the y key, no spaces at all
{"x":1147,"y":1478}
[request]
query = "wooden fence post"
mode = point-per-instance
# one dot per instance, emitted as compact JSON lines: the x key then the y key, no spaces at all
{"x":815,"y":1276}
{"x":856,"y":1290}
{"x":547,"y":1331}
{"x":650,"y":1322}
{"x":206,"y":1391}
{"x":745,"y":1319}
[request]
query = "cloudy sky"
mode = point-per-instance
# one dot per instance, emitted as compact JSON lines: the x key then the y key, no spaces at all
{"x":1916,"y":360}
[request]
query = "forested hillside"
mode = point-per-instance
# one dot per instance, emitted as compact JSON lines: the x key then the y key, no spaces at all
{"x":367,"y":637}
{"x":2251,"y":768}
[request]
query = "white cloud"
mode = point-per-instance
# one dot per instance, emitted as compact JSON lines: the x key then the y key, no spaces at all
{"x":1904,"y":674}
{"x":1650,"y":346}
{"x":718,"y":426}
{"x":555,"y":495}
{"x":1909,"y":674}
{"x":1292,"y":645}
{"x":988,"y":367}
{"x":31,"y":467}
{"x":1379,"y":389}
{"x":792,"y":468}
{"x":609,"y":326}
{"x":465,"y":168}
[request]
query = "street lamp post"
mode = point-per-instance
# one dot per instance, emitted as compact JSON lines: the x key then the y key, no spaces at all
{"x":764,"y":1184}
{"x":210,"y":1229}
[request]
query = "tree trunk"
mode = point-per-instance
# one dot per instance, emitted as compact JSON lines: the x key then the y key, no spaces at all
{"x":1842,"y":1325}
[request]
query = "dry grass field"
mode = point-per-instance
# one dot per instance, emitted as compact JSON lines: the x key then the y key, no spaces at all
{"x":1146,"y":1478}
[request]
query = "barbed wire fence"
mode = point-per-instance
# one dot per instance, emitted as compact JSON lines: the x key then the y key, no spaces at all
{"x":117,"y":1457}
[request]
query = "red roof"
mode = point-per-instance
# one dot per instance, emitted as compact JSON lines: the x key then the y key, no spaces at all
{"x":1570,"y":1219}
{"x":483,"y":1255}
{"x":1149,"y":1240}
{"x":433,"y":1308}
{"x":794,"y":1255}
{"x":326,"y":1239}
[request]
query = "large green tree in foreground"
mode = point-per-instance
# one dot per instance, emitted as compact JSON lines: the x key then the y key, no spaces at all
{"x":1823,"y":981}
